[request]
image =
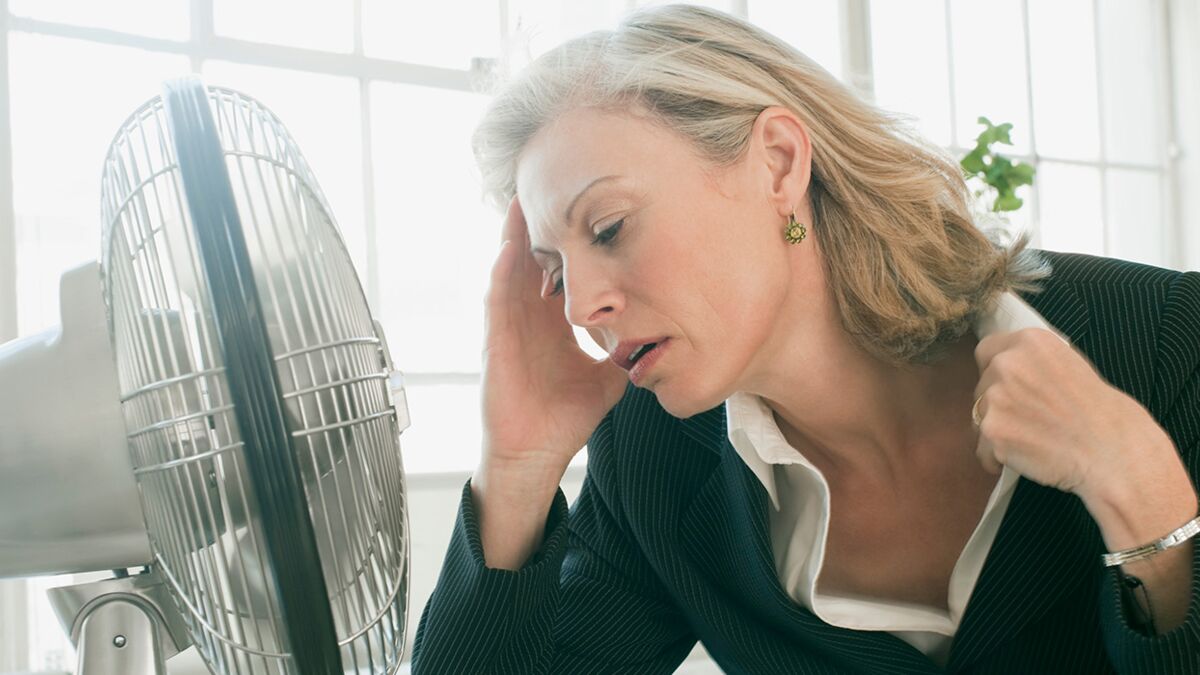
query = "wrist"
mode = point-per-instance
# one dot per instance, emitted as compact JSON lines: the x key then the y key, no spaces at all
{"x":528,"y":477}
{"x":511,"y":504}
{"x":1143,"y":503}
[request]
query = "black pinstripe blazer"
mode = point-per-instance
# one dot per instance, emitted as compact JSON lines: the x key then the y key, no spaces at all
{"x":669,"y":542}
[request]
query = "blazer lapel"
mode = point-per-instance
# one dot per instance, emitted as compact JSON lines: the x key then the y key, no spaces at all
{"x":725,"y":532}
{"x":1046,"y":543}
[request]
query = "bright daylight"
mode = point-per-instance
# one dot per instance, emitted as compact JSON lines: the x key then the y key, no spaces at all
{"x":539,"y":337}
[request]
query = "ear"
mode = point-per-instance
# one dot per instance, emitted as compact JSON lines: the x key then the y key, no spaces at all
{"x":781,"y":140}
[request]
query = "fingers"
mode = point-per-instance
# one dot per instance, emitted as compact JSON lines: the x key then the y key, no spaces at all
{"x":500,"y":288}
{"x":528,"y":274}
{"x":987,"y":349}
{"x":983,"y":446}
{"x":1005,"y":367}
{"x":1042,"y":340}
{"x":517,"y":280}
{"x":987,"y":457}
{"x":514,"y":222}
{"x":514,"y":230}
{"x":990,"y":346}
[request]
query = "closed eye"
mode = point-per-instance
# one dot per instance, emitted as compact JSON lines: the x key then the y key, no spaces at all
{"x":604,"y":237}
{"x":607,"y":235}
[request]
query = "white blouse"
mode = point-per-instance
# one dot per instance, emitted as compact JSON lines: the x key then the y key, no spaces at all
{"x":800,"y":520}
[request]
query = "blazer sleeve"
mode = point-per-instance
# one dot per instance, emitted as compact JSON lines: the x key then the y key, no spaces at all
{"x":1178,"y":374}
{"x":586,"y":602}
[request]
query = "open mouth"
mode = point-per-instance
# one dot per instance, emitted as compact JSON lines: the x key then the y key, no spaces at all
{"x":644,"y":358}
{"x":629,"y":353}
{"x":642,"y":351}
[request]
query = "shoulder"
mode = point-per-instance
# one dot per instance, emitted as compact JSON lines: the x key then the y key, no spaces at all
{"x":1112,"y":291}
{"x":1081,"y":269}
{"x":1139,"y":324}
{"x":1115,"y":294}
{"x":1120,"y":294}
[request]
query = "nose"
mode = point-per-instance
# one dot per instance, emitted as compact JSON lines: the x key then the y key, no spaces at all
{"x":592,"y":301}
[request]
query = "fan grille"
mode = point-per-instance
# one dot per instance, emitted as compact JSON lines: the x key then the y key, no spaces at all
{"x":186,"y":446}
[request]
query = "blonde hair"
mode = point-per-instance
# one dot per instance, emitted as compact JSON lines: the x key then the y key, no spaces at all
{"x":908,"y":266}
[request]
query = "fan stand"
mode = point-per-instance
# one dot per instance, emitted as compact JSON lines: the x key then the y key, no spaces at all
{"x":126,"y":625}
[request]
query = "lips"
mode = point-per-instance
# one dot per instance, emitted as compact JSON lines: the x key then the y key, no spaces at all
{"x":621,"y":355}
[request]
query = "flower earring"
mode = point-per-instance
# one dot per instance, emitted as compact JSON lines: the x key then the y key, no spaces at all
{"x":794,"y":233}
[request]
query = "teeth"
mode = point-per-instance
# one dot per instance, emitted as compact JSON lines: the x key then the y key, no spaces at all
{"x":641,"y":351}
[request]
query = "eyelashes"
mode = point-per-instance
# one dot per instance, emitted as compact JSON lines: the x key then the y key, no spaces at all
{"x":608,"y":234}
{"x":604,"y":238}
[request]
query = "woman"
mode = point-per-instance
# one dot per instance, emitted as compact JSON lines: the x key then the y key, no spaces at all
{"x":831,"y":436}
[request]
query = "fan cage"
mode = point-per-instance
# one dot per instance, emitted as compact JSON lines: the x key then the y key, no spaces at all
{"x":183,"y":437}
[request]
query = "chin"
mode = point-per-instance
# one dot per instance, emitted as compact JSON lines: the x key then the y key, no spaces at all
{"x":684,"y":407}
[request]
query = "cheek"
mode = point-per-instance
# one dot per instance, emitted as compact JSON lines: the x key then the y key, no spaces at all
{"x":690,"y":281}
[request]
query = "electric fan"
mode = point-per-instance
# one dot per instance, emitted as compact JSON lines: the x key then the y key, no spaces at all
{"x":219,"y":408}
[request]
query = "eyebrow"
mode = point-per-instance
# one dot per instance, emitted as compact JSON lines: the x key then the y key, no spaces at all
{"x":571,"y":207}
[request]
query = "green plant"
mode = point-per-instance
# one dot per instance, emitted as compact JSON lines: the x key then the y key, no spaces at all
{"x":997,"y":171}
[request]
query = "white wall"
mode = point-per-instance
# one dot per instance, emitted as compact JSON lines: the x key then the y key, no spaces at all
{"x":1185,"y":57}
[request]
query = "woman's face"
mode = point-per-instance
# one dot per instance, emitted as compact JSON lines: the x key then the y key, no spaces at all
{"x":647,"y":241}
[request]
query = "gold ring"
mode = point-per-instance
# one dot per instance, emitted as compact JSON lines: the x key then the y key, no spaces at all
{"x":976,"y":418}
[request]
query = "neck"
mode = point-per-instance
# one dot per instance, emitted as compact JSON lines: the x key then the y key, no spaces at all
{"x":874,"y":417}
{"x":854,"y":412}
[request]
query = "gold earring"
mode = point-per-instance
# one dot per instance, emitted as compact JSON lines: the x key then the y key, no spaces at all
{"x":795,"y":232}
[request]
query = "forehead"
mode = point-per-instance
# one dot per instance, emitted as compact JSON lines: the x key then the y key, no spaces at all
{"x":583,"y":145}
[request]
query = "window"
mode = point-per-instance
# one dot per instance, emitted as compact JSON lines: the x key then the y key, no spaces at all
{"x":57,"y":152}
{"x":378,"y":95}
{"x":1084,"y":84}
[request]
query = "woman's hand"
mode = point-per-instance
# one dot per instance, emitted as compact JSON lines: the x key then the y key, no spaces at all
{"x":542,"y":395}
{"x":1046,"y":413}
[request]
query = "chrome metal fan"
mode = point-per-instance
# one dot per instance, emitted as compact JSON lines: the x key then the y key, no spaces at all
{"x":258,"y":405}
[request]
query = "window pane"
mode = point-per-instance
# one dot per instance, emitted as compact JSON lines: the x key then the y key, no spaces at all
{"x":1135,"y":216}
{"x":436,"y":239}
{"x":1063,"y":52}
{"x":311,"y":24}
{"x":1013,"y":223}
{"x":723,"y":5}
{"x":813,"y":27}
{"x":419,"y":32}
{"x":908,"y":45}
{"x":49,"y":647}
{"x":156,"y":18}
{"x":1021,"y":220}
{"x":1132,"y":73}
{"x":68,"y":98}
{"x":329,"y":134}
{"x":544,"y":24}
{"x":1069,"y":213}
{"x":989,"y":68}
{"x":446,"y":432}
